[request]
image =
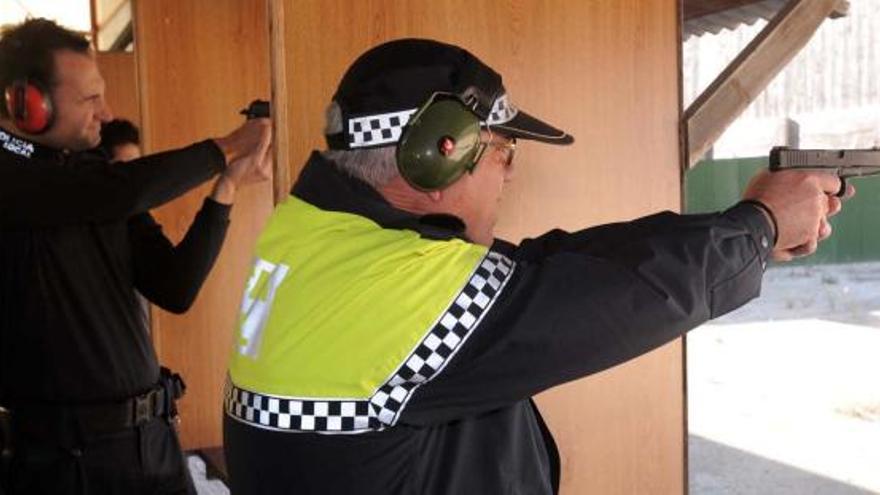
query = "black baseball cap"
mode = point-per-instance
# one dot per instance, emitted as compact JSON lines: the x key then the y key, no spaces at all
{"x":386,"y":85}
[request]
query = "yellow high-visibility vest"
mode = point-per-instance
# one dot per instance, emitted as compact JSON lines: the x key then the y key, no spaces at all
{"x":335,"y":303}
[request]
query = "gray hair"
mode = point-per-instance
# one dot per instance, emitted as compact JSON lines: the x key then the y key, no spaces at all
{"x":375,"y":166}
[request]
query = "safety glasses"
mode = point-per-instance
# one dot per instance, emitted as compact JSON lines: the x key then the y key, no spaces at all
{"x":509,"y":146}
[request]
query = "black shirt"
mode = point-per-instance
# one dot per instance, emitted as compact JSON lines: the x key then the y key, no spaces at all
{"x":75,"y":243}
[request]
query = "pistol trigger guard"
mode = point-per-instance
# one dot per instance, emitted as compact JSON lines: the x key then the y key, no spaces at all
{"x":842,"y":191}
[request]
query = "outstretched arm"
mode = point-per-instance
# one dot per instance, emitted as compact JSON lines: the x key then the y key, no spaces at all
{"x":39,"y":194}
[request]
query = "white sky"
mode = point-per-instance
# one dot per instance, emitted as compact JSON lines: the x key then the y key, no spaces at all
{"x":72,"y":14}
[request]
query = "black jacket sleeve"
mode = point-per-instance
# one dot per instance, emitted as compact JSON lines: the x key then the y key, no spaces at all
{"x":40,"y":194}
{"x":579,"y":303}
{"x":171,"y":276}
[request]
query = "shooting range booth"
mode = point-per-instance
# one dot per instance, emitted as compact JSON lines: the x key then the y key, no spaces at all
{"x":609,"y":72}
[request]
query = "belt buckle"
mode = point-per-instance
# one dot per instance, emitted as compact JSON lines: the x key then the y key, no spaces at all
{"x":143,"y":408}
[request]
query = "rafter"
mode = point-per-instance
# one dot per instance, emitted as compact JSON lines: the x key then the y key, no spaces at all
{"x":751,"y":71}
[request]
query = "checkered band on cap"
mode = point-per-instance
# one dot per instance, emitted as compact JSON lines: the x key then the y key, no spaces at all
{"x":379,"y":129}
{"x":502,"y":111}
{"x":384,"y":407}
{"x":386,"y":128}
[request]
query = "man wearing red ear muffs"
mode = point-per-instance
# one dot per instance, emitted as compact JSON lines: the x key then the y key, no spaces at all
{"x":84,"y":407}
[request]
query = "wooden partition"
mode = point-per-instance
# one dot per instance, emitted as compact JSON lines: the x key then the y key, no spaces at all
{"x":120,"y":74}
{"x":607,"y":71}
{"x":199,"y":62}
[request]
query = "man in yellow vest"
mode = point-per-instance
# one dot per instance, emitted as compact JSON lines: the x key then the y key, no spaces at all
{"x":389,"y":344}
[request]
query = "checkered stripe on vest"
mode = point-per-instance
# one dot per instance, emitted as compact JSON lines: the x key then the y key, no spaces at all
{"x":386,"y":128}
{"x":384,"y":407}
{"x":288,"y":414}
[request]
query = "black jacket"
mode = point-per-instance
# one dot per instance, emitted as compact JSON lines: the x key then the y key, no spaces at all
{"x":75,"y":243}
{"x":574,"y":304}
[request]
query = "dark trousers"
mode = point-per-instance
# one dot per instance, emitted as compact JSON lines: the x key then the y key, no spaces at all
{"x":145,"y":460}
{"x":264,"y":462}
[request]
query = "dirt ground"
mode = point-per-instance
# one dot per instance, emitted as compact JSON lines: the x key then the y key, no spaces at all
{"x":784,"y":394}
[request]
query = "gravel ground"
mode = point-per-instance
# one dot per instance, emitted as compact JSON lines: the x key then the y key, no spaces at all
{"x":784,"y":394}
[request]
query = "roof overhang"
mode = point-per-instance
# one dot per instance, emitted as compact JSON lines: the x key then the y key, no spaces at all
{"x":712,"y":16}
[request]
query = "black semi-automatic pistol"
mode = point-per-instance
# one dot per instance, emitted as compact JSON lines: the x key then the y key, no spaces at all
{"x":844,"y":163}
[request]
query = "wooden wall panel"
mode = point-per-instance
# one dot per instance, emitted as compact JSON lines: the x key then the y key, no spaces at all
{"x":118,"y":69}
{"x":608,"y":73}
{"x":200,"y":61}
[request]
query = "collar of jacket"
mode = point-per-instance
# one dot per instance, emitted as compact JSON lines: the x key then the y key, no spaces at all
{"x":323,"y":185}
{"x":14,"y":144}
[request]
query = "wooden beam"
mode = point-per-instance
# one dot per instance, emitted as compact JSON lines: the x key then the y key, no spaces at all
{"x":841,"y":10}
{"x":115,"y":10}
{"x":280,"y":122}
{"x":751,"y":71}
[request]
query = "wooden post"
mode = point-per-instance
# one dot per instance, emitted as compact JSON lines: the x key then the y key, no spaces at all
{"x":281,"y":177}
{"x":93,"y":15}
{"x":752,"y":70}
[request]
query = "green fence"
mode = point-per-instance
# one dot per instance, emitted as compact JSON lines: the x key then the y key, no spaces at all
{"x":716,"y":184}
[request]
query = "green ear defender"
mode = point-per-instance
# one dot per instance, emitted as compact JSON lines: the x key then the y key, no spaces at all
{"x":439,"y":144}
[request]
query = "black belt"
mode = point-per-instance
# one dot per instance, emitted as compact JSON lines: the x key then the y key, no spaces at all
{"x":89,"y":419}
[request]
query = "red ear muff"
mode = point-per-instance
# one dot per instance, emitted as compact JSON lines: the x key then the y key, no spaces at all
{"x":30,"y":107}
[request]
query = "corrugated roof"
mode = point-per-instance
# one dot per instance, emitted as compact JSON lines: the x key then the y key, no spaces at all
{"x":711,"y":16}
